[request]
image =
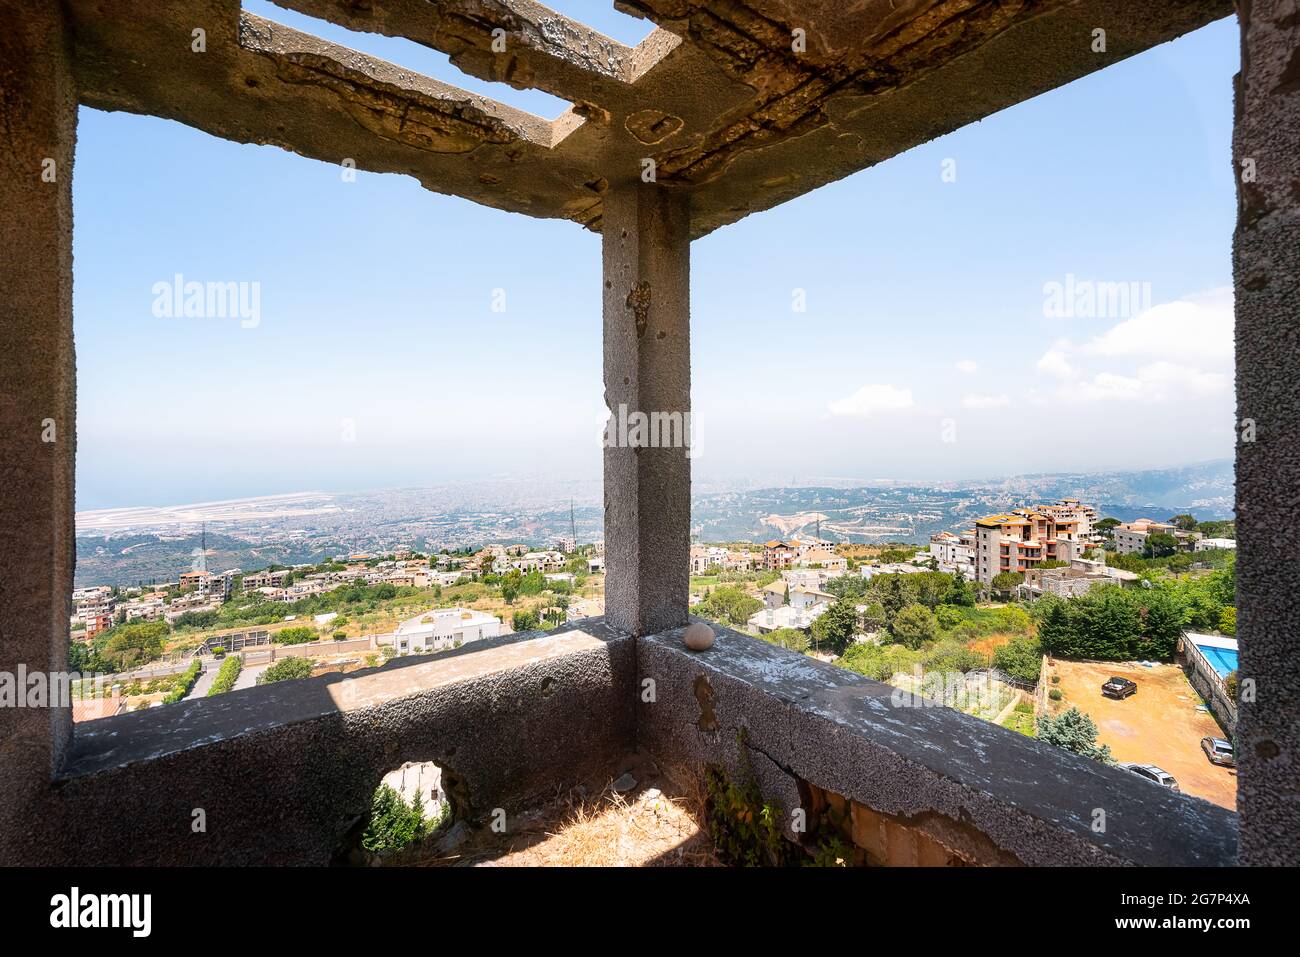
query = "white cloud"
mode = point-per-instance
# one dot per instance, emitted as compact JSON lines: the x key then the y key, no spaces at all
{"x":1187,"y":346}
{"x":1055,"y":364}
{"x":1198,"y":328}
{"x":872,"y":398}
{"x":967,"y":366}
{"x":977,"y":400}
{"x":1154,"y":382}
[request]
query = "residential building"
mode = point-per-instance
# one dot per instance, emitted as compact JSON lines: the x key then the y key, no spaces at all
{"x":786,"y":616}
{"x":549,"y":561}
{"x":774,"y":594}
{"x":822,"y":558}
{"x":1131,"y":537}
{"x":739,"y":561}
{"x":442,"y":628}
{"x":805,"y":598}
{"x":266,"y":579}
{"x":890,"y":568}
{"x":1023,"y":539}
{"x":1078,"y":578}
{"x":1205,"y":544}
{"x":778,"y":555}
{"x":955,"y":553}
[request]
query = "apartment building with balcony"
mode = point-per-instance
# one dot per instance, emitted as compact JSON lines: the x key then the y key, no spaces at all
{"x":1023,"y":539}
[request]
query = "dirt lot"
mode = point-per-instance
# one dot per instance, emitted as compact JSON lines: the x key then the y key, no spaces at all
{"x":1159,"y":725}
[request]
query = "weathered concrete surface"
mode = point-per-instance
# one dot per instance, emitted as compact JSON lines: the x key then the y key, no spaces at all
{"x":285,"y":771}
{"x":717,"y":97}
{"x":999,"y":796}
{"x":1266,"y":264}
{"x":647,"y":350}
{"x":38,"y":115}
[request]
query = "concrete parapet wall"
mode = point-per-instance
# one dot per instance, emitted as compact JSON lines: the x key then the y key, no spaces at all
{"x":986,"y":794}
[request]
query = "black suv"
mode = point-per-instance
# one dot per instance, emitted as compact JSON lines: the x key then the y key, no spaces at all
{"x":1119,"y":688}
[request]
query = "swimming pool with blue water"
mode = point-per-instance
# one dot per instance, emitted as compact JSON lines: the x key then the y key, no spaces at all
{"x":1224,"y":660}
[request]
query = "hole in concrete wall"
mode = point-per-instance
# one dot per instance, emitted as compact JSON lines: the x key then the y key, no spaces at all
{"x":411,"y":812}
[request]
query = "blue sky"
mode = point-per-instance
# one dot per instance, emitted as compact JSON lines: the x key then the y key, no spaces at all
{"x":924,"y":352}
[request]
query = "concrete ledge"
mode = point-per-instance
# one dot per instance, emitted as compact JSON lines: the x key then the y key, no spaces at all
{"x":284,"y":772}
{"x":988,"y":792}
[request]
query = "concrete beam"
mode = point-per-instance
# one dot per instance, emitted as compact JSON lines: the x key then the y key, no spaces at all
{"x":719,"y":99}
{"x":1266,"y":266}
{"x":37,"y":391}
{"x":646,"y":252}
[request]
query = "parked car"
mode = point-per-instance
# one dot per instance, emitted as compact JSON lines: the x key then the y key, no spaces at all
{"x":1149,"y":772}
{"x":1119,"y":688}
{"x":1219,"y":751}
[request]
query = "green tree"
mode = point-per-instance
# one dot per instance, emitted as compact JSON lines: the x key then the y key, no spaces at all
{"x":834,"y":628}
{"x":526,"y":620}
{"x":286,"y":669}
{"x":1228,"y":621}
{"x":1160,"y":545}
{"x":1021,"y":658}
{"x":125,"y":646}
{"x":393,"y":823}
{"x":793,"y":639}
{"x":1004,"y":582}
{"x":1073,"y":731}
{"x":728,"y":605}
{"x":1184,"y":522}
{"x":873,"y":618}
{"x":298,"y":635}
{"x":914,"y":625}
{"x":961,"y":593}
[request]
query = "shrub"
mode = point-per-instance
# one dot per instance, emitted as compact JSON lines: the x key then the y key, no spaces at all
{"x":526,"y":621}
{"x":226,"y":676}
{"x":793,"y":639}
{"x":1056,"y":679}
{"x":393,"y":823}
{"x":286,"y":669}
{"x":834,"y":628}
{"x":1073,"y":731}
{"x":299,"y":635}
{"x":1021,"y":657}
{"x":728,"y":606}
{"x":184,"y":683}
{"x":1055,"y":694}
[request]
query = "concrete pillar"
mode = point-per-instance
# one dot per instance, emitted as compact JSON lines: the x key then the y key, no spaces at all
{"x":1266,"y":270}
{"x":646,"y":252}
{"x":37,"y":412}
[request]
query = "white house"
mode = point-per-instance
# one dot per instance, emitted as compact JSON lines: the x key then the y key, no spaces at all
{"x":443,"y":628}
{"x":1204,"y":544}
{"x":785,"y":616}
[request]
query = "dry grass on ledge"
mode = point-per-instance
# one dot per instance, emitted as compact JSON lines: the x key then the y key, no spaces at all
{"x":647,"y":826}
